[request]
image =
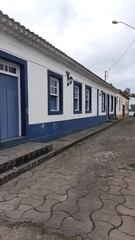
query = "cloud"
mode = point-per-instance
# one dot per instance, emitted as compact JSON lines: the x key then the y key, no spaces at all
{"x":84,"y":31}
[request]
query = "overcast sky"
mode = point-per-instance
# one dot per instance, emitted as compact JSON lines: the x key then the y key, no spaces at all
{"x":83,"y":29}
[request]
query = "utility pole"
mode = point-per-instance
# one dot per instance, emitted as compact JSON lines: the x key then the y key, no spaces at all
{"x":105,"y":75}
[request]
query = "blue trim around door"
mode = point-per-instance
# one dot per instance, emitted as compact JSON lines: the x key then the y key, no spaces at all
{"x":24,"y":88}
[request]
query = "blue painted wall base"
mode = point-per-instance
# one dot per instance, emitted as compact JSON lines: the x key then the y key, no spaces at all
{"x":49,"y":131}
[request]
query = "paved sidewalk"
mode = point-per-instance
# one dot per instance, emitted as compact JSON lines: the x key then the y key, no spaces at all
{"x":85,"y":192}
{"x":21,"y":158}
{"x":58,"y":144}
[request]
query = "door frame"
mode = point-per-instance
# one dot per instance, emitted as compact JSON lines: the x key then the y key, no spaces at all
{"x":23,"y":81}
{"x":123,"y":110}
{"x":17,"y":75}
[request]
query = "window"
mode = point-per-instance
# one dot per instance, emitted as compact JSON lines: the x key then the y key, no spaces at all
{"x":103,"y":102}
{"x":8,"y":69}
{"x":112,"y":104}
{"x":55,"y":93}
{"x":77,"y":97}
{"x":88,"y":99}
{"x":12,"y":70}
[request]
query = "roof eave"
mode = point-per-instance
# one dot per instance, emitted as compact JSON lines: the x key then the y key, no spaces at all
{"x":19,"y":32}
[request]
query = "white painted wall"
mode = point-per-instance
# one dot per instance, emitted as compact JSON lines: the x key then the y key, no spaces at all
{"x":38,"y":64}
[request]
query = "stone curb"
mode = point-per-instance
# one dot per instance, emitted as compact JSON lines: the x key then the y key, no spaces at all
{"x":22,"y":159}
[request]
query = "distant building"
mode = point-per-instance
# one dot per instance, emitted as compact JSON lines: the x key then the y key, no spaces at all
{"x":122,"y":105}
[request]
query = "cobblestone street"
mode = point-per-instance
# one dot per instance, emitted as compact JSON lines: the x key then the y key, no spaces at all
{"x":85,"y":192}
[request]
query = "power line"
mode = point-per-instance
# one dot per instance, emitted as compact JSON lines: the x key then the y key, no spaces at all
{"x":106,"y":72}
{"x":122,"y":55}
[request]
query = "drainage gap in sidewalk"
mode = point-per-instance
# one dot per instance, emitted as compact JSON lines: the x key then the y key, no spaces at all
{"x":132,"y":166}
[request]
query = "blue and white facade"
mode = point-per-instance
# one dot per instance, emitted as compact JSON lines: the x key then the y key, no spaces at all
{"x":44,"y":94}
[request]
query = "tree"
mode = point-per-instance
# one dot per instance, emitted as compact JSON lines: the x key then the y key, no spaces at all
{"x":132,"y":95}
{"x":127,"y":92}
{"x":132,"y":106}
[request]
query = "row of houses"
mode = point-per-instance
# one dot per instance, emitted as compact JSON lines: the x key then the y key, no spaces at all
{"x":45,"y":94}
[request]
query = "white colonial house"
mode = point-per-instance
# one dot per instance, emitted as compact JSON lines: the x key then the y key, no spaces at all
{"x":45,"y":94}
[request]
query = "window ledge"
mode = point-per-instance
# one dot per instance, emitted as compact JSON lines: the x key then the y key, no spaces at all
{"x":77,"y":112}
{"x":55,"y":112}
{"x":88,"y":111}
